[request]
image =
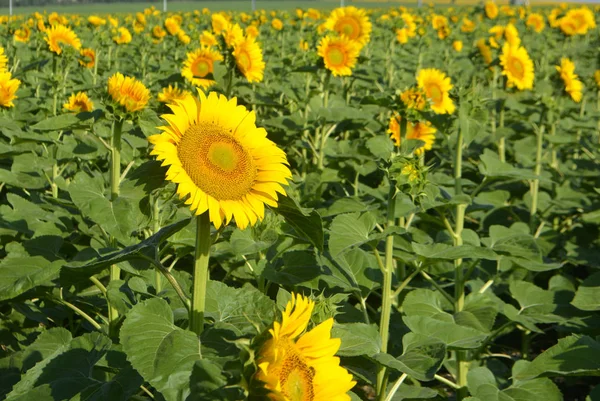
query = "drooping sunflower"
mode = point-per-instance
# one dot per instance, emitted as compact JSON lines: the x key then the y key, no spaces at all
{"x":421,"y":130}
{"x":339,"y":54}
{"x":59,"y":35}
{"x":79,"y":102}
{"x":123,"y":36}
{"x":220,"y":160}
{"x":3,"y":61}
{"x":198,"y":65}
{"x":22,"y":35}
{"x":169,"y":94}
{"x":8,"y":89}
{"x":517,"y":66}
{"x":573,"y":86}
{"x":352,"y":23}
{"x":437,"y":87}
{"x":128,"y":92}
{"x":249,"y":59}
{"x":88,"y":59}
{"x":295,"y":364}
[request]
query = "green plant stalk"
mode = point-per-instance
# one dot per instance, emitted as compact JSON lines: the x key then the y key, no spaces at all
{"x":156,"y":227}
{"x":95,"y":74}
{"x":535,"y":184}
{"x":55,"y":175}
{"x":203,"y":243}
{"x":459,"y":286}
{"x":598,"y":109}
{"x":386,"y":298}
{"x":501,"y":141}
{"x":115,"y":178}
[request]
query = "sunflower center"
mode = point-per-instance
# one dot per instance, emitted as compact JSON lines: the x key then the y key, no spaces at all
{"x":517,"y":67}
{"x":435,"y":93}
{"x":243,"y":60}
{"x":201,"y":68}
{"x":216,"y":162}
{"x":349,"y":27}
{"x":296,"y":379}
{"x":336,"y":56}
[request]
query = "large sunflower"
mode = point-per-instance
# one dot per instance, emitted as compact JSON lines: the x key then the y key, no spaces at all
{"x":249,"y":59}
{"x":573,"y":86}
{"x":339,"y":54}
{"x":8,"y":89}
{"x":437,"y":87}
{"x":220,"y":160}
{"x":350,"y":22}
{"x":421,"y":130}
{"x":517,"y":66}
{"x":60,"y":34}
{"x":297,"y":365}
{"x":199,"y":65}
{"x":128,"y":92}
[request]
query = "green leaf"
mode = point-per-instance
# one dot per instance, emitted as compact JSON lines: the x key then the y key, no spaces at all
{"x":587,"y":296}
{"x":381,"y":146}
{"x":444,"y":329}
{"x":349,"y":230}
{"x":161,"y":352}
{"x":208,"y":382}
{"x":357,"y":339}
{"x":571,"y":356}
{"x":306,"y":222}
{"x":492,"y":167}
{"x":20,"y":274}
{"x":407,"y":392}
{"x":449,"y":252}
{"x":57,"y":123}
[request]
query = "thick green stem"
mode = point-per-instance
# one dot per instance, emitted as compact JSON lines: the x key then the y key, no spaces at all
{"x":387,"y":296}
{"x":54,"y":177}
{"x":203,"y":243}
{"x":501,"y":141}
{"x":535,"y":184}
{"x":459,"y":285}
{"x":155,"y":228}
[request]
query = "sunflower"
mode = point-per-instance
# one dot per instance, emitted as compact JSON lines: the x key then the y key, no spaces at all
{"x":22,"y":35}
{"x":457,"y":45}
{"x":402,"y":35}
{"x":597,"y":78}
{"x":172,"y":25}
{"x":79,"y":102}
{"x":249,"y":59}
{"x":199,"y":65}
{"x":158,"y":32}
{"x":421,"y":130}
{"x":8,"y":88}
{"x":568,"y":26}
{"x":59,"y":34}
{"x":536,"y":22}
{"x":350,"y":22}
{"x":573,"y":86}
{"x":3,"y":61}
{"x":414,"y":98}
{"x":169,"y":94}
{"x":512,"y":35}
{"x":232,"y":34}
{"x":303,"y":45}
{"x":220,"y":160}
{"x":218,"y":23}
{"x":437,"y":87}
{"x":467,"y":25}
{"x":96,"y":21}
{"x":128,"y":92}
{"x":485,"y":51}
{"x":339,"y":54}
{"x":207,"y":39}
{"x":183,"y":37}
{"x":123,"y":37}
{"x":491,"y":10}
{"x":277,"y":24}
{"x":517,"y":66}
{"x":295,"y":364}
{"x":252,"y":31}
{"x":583,"y":19}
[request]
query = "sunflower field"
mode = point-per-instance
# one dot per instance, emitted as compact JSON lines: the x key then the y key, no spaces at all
{"x":353,"y":204}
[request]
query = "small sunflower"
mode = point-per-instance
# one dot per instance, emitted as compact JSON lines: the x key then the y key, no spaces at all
{"x":597,"y":78}
{"x":517,"y":66}
{"x":183,"y":37}
{"x":457,"y":45}
{"x":352,"y":23}
{"x":8,"y":88}
{"x":128,"y":92}
{"x":402,"y":35}
{"x":59,"y":35}
{"x":220,"y":160}
{"x":437,"y":87}
{"x":339,"y":54}
{"x":485,"y":51}
{"x":218,"y":23}
{"x":207,"y":39}
{"x":123,"y":36}
{"x":169,"y":94}
{"x":303,"y":45}
{"x":295,"y":364}
{"x":414,"y":98}
{"x":421,"y":130}
{"x":3,"y":61}
{"x":158,"y":32}
{"x":511,"y":34}
{"x":252,"y":31}
{"x":573,"y":86}
{"x":172,"y":26}
{"x":249,"y":59}
{"x":79,"y":102}
{"x":277,"y":24}
{"x":88,"y":58}
{"x":22,"y":35}
{"x":536,"y":22}
{"x":491,"y":10}
{"x":232,"y":34}
{"x":96,"y":21}
{"x":198,"y":65}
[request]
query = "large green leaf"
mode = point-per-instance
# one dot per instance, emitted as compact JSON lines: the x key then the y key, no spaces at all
{"x":349,"y":230}
{"x":357,"y":339}
{"x":306,"y":222}
{"x":20,"y":274}
{"x":587,"y":296}
{"x":161,"y":352}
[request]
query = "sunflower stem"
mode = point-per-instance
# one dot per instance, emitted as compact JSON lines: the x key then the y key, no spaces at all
{"x":203,"y":243}
{"x":156,"y":227}
{"x":535,"y":184}
{"x":387,"y":297}
{"x":459,"y":286}
{"x":55,"y":175}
